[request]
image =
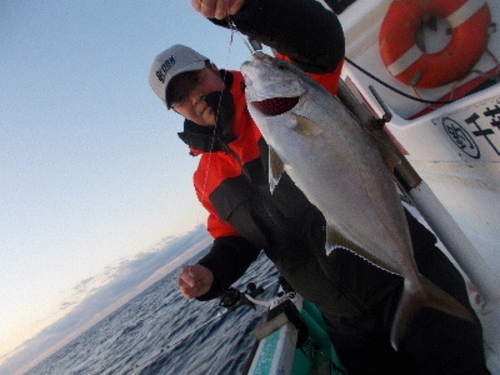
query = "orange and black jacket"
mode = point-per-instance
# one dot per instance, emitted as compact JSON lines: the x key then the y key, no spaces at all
{"x":232,"y":177}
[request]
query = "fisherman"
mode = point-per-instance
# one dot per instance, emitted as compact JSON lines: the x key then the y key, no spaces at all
{"x":357,"y":299}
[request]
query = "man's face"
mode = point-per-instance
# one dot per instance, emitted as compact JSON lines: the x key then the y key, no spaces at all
{"x":188,"y":90}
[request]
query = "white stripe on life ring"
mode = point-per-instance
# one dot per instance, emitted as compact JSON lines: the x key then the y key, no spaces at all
{"x":465,"y":12}
{"x":409,"y":58}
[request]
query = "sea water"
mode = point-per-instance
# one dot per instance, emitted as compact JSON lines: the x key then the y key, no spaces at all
{"x":146,"y":335}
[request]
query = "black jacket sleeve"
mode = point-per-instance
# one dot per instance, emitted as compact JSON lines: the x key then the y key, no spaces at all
{"x":301,"y":29}
{"x":228,"y":259}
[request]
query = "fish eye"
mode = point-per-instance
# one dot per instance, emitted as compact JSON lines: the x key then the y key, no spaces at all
{"x":281,"y":66}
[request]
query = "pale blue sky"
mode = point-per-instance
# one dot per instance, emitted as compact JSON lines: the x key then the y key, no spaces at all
{"x":91,"y":169}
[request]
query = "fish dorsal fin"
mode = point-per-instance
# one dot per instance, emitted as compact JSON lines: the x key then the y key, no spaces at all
{"x":306,"y":127}
{"x":276,"y":168}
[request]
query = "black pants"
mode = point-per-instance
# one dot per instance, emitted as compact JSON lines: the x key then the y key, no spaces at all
{"x":437,"y":343}
{"x":358,"y":301}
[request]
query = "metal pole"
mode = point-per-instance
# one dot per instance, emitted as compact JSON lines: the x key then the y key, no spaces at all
{"x":429,"y":206}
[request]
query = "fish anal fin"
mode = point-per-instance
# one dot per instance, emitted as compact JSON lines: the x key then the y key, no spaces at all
{"x":276,"y":168}
{"x":335,"y":240}
{"x":306,"y":127}
{"x":426,"y":294}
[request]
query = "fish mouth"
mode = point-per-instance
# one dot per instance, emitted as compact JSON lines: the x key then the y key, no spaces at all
{"x":275,"y":106}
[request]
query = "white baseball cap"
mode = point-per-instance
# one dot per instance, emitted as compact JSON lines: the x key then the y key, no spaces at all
{"x":172,"y":62}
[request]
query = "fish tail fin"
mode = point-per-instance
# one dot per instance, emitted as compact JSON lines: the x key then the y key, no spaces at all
{"x":409,"y":304}
{"x":442,"y":301}
{"x":426,"y":294}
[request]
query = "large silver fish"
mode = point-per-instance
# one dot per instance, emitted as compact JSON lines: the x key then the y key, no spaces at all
{"x":337,"y":165}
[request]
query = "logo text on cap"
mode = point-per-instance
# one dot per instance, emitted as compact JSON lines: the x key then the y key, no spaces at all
{"x":164,"y":68}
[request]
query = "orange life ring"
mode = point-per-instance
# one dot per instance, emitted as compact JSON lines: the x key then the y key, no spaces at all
{"x":469,"y":20}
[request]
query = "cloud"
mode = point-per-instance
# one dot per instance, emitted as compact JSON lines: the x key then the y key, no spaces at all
{"x":66,"y":305}
{"x":96,"y":297}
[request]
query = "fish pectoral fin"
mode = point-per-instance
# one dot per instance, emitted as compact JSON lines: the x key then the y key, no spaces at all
{"x":276,"y":168}
{"x":306,"y":126}
{"x":426,"y":294}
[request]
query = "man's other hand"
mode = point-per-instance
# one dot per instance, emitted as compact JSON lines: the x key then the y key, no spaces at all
{"x":195,"y":281}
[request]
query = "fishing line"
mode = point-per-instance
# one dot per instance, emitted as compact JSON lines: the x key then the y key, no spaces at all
{"x":217,"y":114}
{"x":220,"y":315}
{"x":234,"y":30}
{"x":150,"y":360}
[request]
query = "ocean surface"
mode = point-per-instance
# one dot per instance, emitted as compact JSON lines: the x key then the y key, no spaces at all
{"x":147,"y":335}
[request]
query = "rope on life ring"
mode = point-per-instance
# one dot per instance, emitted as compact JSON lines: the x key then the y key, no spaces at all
{"x":469,"y":20}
